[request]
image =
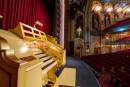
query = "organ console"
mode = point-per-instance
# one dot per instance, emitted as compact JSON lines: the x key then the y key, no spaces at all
{"x":29,"y":57}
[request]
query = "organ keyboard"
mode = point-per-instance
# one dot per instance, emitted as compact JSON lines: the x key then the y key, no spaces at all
{"x":28,"y":58}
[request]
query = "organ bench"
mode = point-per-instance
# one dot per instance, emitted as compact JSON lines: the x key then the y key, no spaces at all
{"x":28,"y":58}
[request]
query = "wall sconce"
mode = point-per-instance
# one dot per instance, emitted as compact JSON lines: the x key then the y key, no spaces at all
{"x":79,"y":31}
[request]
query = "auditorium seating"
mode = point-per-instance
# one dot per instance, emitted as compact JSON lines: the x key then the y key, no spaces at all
{"x":119,"y":61}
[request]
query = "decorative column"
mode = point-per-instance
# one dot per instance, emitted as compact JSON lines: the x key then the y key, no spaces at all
{"x":60,"y":11}
{"x":88,"y":27}
{"x":73,"y":27}
{"x":62,"y":22}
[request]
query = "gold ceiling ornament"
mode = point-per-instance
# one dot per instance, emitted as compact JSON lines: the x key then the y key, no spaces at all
{"x":96,"y":6}
{"x":122,"y":7}
{"x":127,"y":8}
{"x":108,"y":7}
{"x":118,"y":8}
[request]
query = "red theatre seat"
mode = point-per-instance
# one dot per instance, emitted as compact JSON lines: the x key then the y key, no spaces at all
{"x":116,"y":60}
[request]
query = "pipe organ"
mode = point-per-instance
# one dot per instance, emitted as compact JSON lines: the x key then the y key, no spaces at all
{"x":28,"y":58}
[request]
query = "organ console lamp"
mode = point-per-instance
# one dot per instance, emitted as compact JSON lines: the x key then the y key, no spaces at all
{"x":38,"y":23}
{"x":1,"y":16}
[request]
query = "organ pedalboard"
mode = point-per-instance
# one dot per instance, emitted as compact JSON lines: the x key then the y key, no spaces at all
{"x":29,"y":57}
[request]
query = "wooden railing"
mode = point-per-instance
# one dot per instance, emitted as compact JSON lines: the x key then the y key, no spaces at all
{"x":31,"y":33}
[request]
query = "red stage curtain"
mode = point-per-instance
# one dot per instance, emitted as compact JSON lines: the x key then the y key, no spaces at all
{"x":26,"y":11}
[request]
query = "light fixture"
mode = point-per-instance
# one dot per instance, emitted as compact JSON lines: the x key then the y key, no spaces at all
{"x":122,"y":7}
{"x":1,"y":16}
{"x":24,"y":49}
{"x":53,"y":47}
{"x":79,"y":31}
{"x":107,"y":38}
{"x":114,"y":46}
{"x":108,"y":7}
{"x":96,"y":6}
{"x":127,"y":8}
{"x":119,"y":10}
{"x":38,"y":23}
